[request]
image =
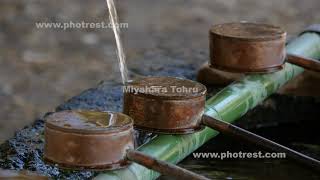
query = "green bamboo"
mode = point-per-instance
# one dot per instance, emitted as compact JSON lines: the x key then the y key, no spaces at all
{"x":228,"y":105}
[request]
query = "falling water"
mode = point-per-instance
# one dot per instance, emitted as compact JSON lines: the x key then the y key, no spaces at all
{"x":116,"y":29}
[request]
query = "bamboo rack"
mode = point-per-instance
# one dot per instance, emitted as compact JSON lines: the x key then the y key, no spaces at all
{"x":228,"y":105}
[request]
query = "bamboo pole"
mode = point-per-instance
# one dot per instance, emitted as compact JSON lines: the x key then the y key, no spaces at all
{"x":228,"y":105}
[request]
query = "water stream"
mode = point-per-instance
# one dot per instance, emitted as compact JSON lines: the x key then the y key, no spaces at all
{"x":116,"y":30}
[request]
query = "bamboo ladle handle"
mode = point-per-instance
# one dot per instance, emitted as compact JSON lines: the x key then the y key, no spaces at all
{"x":162,"y":166}
{"x":307,"y":63}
